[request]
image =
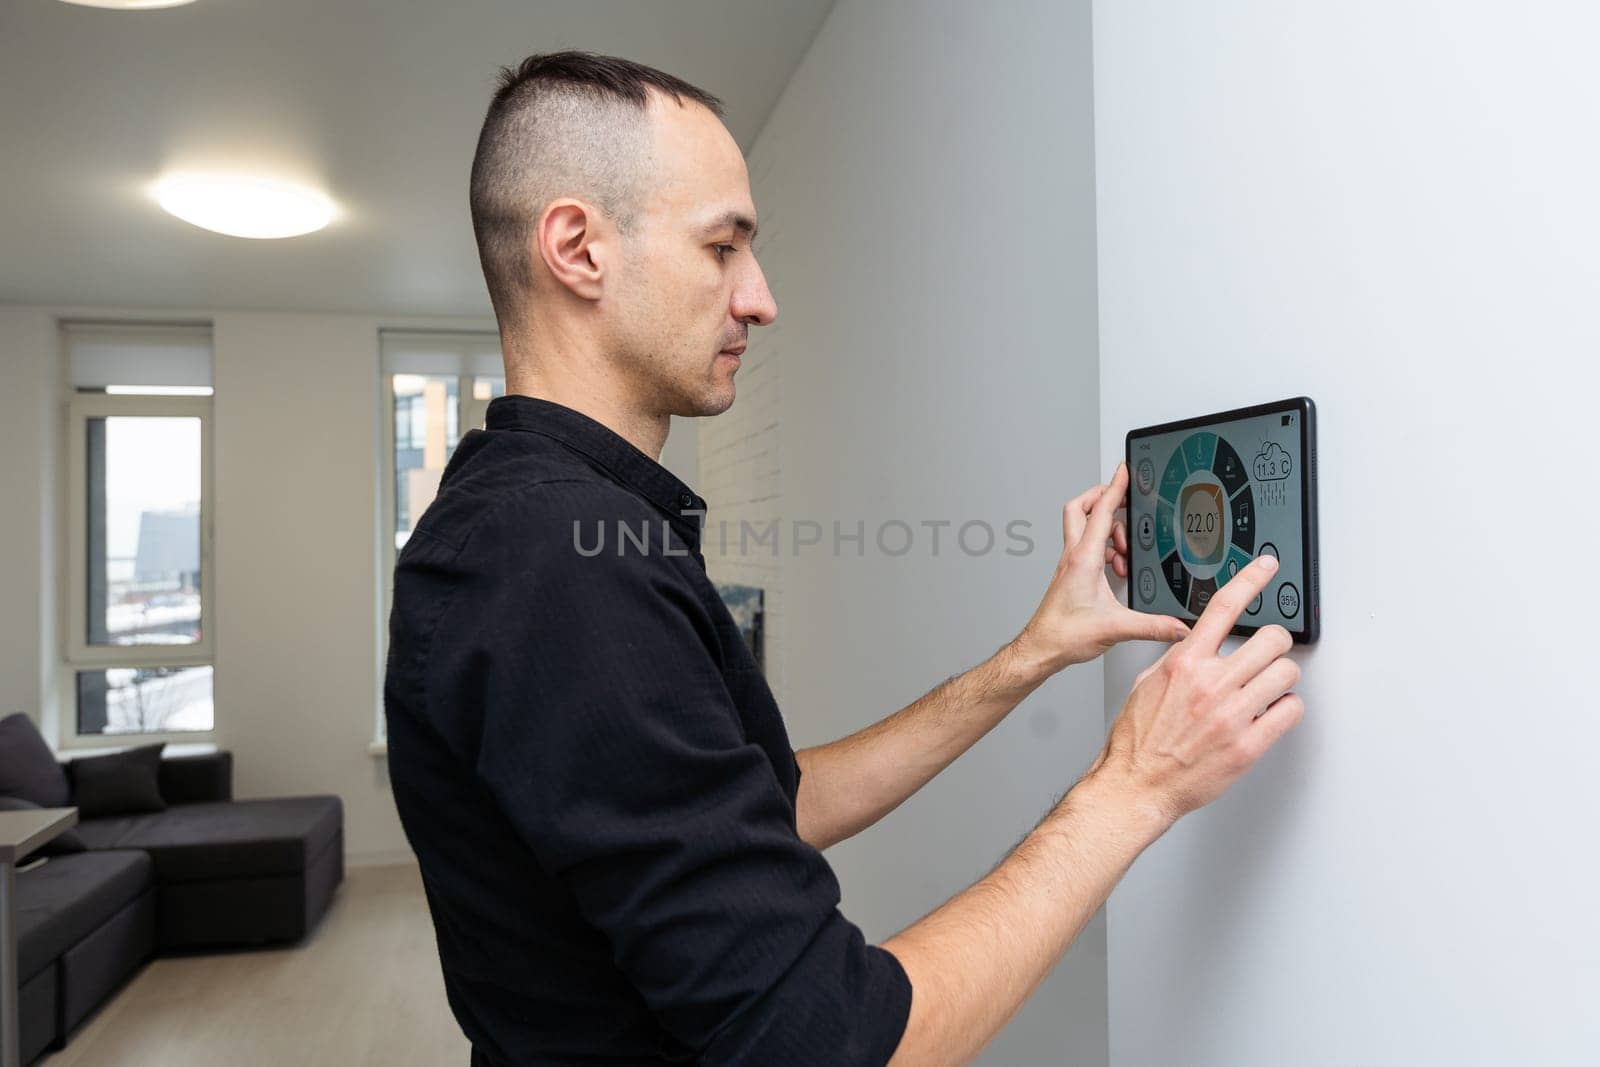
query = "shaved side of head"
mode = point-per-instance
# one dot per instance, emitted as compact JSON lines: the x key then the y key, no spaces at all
{"x":566,"y":124}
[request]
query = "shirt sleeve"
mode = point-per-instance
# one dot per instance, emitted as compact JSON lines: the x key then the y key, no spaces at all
{"x":613,"y":745}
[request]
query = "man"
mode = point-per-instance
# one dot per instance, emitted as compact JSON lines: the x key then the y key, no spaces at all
{"x":619,"y":847}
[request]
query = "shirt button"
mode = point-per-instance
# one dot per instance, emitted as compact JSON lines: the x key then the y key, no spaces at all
{"x":686,"y":500}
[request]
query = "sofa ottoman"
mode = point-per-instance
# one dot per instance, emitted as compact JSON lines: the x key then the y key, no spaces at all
{"x":234,"y":872}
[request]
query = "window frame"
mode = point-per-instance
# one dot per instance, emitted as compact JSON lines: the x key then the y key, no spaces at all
{"x":77,"y":653}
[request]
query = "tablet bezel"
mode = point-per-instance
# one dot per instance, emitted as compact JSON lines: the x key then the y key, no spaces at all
{"x":1311,"y":608}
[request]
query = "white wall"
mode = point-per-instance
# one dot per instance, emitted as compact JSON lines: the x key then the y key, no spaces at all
{"x":31,"y":414}
{"x":925,"y":193}
{"x":1389,"y":206}
{"x":297,"y":484}
{"x":296,"y":481}
{"x":681,"y":453}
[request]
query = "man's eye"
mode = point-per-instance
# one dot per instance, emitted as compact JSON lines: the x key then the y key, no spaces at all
{"x":720,"y":253}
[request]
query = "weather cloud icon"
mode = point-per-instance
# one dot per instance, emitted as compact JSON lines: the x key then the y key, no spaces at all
{"x":1272,"y":464}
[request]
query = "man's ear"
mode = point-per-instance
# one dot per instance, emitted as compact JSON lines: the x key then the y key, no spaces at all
{"x":568,"y":239}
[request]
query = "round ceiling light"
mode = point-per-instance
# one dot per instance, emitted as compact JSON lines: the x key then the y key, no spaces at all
{"x":243,"y":206}
{"x":129,"y":5}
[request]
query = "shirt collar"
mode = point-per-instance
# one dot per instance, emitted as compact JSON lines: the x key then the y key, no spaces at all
{"x":606,"y":448}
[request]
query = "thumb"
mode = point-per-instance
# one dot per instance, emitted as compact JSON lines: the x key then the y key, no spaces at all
{"x":1139,"y":626}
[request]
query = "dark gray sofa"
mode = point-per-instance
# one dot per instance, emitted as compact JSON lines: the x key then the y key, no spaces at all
{"x":85,"y":922}
{"x":208,"y":872}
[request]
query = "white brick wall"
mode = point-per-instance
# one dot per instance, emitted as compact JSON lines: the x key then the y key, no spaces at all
{"x":742,"y":482}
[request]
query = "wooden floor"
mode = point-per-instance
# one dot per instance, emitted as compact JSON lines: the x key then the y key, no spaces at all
{"x":364,"y":988}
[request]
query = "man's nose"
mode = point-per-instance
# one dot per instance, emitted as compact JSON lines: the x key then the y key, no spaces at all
{"x":752,"y":300}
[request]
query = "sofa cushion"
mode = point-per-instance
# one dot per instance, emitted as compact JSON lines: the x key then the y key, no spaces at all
{"x":122,"y":783}
{"x":233,"y":839}
{"x":28,"y":769}
{"x":198,"y":779}
{"x":62,"y":901}
{"x":62,"y":843}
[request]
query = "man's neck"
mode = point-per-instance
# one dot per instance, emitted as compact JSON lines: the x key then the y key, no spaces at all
{"x":645,"y":431}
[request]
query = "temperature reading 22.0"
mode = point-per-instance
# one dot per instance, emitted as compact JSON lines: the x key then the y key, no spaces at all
{"x":1203,"y":508}
{"x":1201,"y":526}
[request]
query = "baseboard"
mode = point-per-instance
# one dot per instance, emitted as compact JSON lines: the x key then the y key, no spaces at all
{"x":393,"y":857}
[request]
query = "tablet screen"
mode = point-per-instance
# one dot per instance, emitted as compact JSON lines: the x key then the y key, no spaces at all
{"x":1206,"y":500}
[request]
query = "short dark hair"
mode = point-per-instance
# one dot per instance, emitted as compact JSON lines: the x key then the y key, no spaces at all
{"x":561,"y":124}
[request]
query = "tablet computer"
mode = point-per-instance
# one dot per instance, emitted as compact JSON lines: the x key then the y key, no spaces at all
{"x":1209,"y":494}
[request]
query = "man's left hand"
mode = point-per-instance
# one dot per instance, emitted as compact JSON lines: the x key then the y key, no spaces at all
{"x":1080,"y":617}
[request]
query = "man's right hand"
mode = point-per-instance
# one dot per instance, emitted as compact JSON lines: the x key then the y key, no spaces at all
{"x":1196,"y":720}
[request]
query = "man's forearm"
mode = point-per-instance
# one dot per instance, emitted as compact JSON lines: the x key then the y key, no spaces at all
{"x":849,"y":784}
{"x":1194,"y":722}
{"x":976,"y":959}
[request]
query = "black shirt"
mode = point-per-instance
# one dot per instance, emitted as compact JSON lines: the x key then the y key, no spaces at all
{"x":596,"y":779}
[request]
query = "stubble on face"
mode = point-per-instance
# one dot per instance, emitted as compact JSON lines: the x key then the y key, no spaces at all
{"x":663,"y":343}
{"x":672,"y":318}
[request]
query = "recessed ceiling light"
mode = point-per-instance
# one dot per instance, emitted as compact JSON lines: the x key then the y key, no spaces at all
{"x":129,"y":5}
{"x":244,"y":206}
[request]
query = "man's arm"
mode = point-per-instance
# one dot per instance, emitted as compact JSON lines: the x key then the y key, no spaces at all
{"x":849,"y":784}
{"x":1193,"y":724}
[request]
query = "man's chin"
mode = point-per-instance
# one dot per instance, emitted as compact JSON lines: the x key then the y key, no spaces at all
{"x":720,"y":402}
{"x":716,"y":398}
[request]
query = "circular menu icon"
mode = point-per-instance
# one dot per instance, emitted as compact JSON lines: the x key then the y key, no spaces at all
{"x":1288,"y":600}
{"x":1146,"y":531}
{"x":1144,"y":476}
{"x":1147,"y":585}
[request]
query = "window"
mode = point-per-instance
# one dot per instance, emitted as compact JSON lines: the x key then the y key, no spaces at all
{"x":138,"y":644}
{"x":433,"y":386}
{"x":427,"y":421}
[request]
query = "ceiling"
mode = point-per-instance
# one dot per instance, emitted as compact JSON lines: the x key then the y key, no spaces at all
{"x":377,"y":102}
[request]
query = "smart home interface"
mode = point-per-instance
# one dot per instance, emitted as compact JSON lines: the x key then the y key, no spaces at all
{"x":1208,"y":495}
